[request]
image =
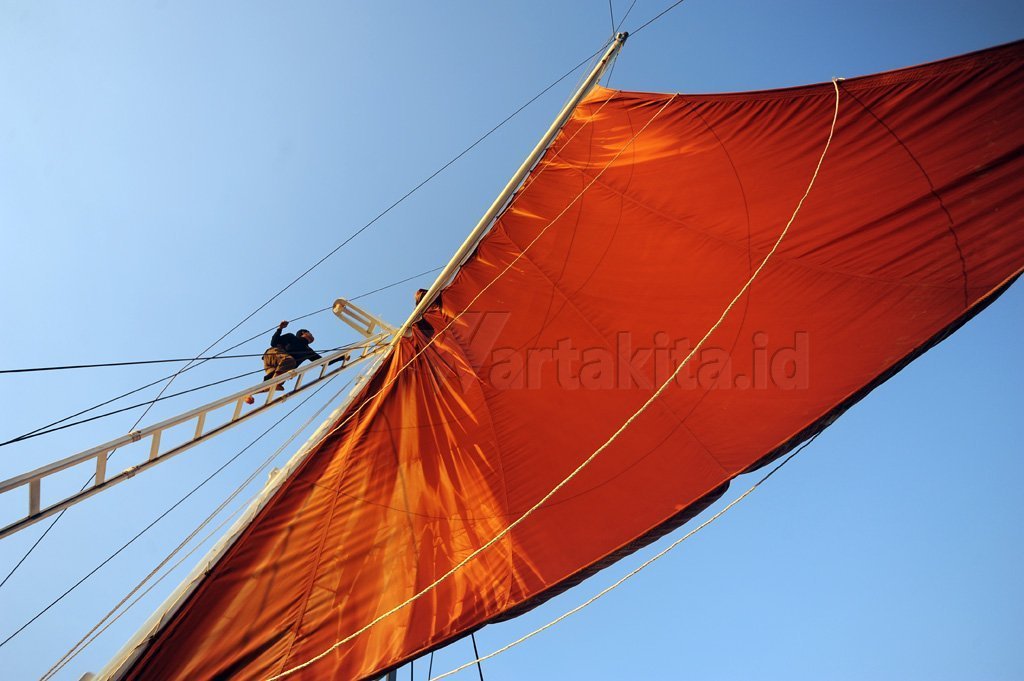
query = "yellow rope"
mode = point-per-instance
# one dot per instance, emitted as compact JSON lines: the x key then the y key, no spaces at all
{"x":710,"y":520}
{"x":661,"y":389}
{"x":629,"y":575}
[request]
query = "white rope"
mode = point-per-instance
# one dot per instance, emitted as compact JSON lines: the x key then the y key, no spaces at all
{"x":631,"y":574}
{"x":627,"y":423}
{"x":83,"y":643}
{"x":61,"y":664}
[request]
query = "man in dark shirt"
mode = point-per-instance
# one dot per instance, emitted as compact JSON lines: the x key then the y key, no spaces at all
{"x":294,"y":345}
{"x":286,"y":352}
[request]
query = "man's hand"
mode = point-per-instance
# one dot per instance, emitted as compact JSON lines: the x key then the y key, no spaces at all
{"x":282,"y":325}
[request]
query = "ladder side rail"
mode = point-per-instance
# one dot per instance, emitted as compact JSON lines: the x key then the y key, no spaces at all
{"x":130,"y":472}
{"x":34,"y":478}
{"x":365,"y":323}
{"x":121,"y":663}
{"x":137,"y":435}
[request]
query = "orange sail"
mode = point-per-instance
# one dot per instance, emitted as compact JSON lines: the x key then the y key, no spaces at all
{"x":624,"y":247}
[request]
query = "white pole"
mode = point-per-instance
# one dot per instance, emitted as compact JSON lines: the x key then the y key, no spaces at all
{"x":122,"y":662}
{"x":499,"y":203}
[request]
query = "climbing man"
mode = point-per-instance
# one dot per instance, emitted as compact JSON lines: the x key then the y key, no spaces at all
{"x":286,"y":352}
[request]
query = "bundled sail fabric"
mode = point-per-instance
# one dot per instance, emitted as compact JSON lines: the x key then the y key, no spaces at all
{"x":644,"y":219}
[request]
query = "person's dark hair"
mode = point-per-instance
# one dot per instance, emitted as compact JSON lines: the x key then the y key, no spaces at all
{"x":419,"y":294}
{"x":304,"y":331}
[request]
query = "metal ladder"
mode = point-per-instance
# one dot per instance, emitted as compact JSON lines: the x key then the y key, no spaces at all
{"x":376,"y":337}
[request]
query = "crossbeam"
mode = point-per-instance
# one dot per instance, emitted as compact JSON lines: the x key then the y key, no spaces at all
{"x":365,"y":323}
{"x":320,"y":370}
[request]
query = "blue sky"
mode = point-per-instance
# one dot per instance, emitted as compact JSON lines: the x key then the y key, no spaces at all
{"x":167,"y":167}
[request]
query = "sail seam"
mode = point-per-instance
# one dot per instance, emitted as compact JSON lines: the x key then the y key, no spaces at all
{"x":750,"y":258}
{"x":932,"y":189}
{"x":603,"y":335}
{"x":796,"y":262}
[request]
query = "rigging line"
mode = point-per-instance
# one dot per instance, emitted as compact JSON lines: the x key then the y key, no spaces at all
{"x":416,"y":188}
{"x":638,"y":569}
{"x":476,"y":651}
{"x":362,"y":229}
{"x":625,"y":16}
{"x":661,"y":389}
{"x":148,"y":361}
{"x":76,"y":649}
{"x":336,"y":249}
{"x":221,"y":353}
{"x":158,"y":519}
{"x":382,"y":288}
{"x":106,"y":402}
{"x":611,"y":15}
{"x":325,"y":309}
{"x":41,"y":431}
{"x":611,"y":70}
{"x":131,"y":392}
{"x":150,"y":403}
{"x":658,"y":16}
{"x":60,"y":665}
{"x":430,"y":342}
{"x":102,"y":365}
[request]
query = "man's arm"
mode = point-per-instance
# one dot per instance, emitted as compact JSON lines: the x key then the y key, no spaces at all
{"x":275,"y":340}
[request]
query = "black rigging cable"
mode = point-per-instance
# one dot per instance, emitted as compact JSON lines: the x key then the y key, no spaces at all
{"x":157,"y":519}
{"x":125,"y":364}
{"x":476,"y":654}
{"x":142,"y":361}
{"x":346,"y":241}
{"x":396,"y":203}
{"x":129,"y":408}
{"x":216,"y":356}
{"x":60,"y":515}
{"x":146,"y":403}
{"x":219,"y":355}
{"x":624,"y":17}
{"x":658,"y":16}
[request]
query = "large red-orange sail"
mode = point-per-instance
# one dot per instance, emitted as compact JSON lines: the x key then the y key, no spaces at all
{"x":577,"y":307}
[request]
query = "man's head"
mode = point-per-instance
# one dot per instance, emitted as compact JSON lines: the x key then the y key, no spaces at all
{"x":419,"y":295}
{"x":306,"y":335}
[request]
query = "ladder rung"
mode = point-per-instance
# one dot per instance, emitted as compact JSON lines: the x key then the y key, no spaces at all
{"x":33,"y":497}
{"x":99,"y":456}
{"x":101,"y":468}
{"x":154,"y":450}
{"x":238,"y":408}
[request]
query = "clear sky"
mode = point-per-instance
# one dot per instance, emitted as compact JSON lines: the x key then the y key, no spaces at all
{"x":167,"y":167}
